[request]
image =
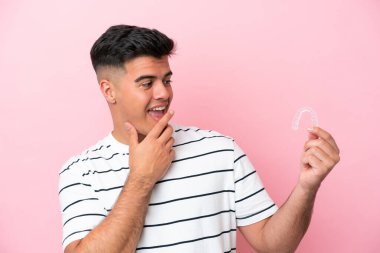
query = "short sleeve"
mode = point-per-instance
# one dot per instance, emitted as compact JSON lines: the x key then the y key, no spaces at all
{"x":252,"y":201}
{"x":81,"y":209}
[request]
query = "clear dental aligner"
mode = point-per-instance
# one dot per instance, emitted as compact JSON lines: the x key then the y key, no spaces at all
{"x":297,"y":117}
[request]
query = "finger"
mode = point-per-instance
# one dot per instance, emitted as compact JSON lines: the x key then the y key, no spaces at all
{"x":315,"y":163}
{"x":319,"y":153}
{"x":312,"y":136}
{"x":322,"y":144}
{"x":132,"y":134}
{"x":166,"y":134}
{"x":161,"y":124}
{"x":324,"y":135}
{"x":321,"y":133}
{"x":169,"y":144}
{"x":326,"y":162}
{"x":310,"y":161}
{"x":306,"y":156}
{"x":172,"y":154}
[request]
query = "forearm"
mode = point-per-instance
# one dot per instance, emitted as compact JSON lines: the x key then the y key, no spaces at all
{"x":284,"y":230}
{"x":120,"y":231}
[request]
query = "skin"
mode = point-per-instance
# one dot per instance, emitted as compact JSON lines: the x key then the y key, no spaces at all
{"x":151,"y":154}
{"x":283,"y":231}
{"x":150,"y":147}
{"x":129,"y":99}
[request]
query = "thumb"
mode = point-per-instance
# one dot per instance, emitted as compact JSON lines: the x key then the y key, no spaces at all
{"x":132,"y":134}
{"x":311,"y":135}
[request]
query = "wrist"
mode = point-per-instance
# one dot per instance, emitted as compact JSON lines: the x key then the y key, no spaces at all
{"x":307,"y":191}
{"x":139,"y":183}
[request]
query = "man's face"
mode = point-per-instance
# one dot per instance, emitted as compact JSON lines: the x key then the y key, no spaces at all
{"x":144,"y":93}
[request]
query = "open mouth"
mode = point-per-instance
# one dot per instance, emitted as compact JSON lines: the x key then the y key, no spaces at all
{"x":157,"y":112}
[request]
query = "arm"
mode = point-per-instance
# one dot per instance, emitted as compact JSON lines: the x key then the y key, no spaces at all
{"x":120,"y":231}
{"x":284,"y":230}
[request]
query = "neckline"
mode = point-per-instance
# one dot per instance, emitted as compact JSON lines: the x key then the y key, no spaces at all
{"x":116,"y":143}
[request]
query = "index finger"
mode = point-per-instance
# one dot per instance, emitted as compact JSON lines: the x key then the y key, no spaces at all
{"x":324,"y":135}
{"x":161,"y":124}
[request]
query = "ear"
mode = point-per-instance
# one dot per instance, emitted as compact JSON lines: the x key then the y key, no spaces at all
{"x":108,"y":90}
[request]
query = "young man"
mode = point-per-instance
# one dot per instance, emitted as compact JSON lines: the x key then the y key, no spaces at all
{"x":154,"y":187}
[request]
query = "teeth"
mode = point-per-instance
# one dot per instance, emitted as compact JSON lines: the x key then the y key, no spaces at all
{"x":159,"y":108}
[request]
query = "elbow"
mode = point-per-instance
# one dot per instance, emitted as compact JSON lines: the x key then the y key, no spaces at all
{"x":73,"y":247}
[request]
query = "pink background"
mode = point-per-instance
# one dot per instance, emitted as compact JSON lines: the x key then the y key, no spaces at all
{"x":243,"y":69}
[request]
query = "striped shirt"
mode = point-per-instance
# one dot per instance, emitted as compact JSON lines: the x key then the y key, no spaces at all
{"x":210,"y":189}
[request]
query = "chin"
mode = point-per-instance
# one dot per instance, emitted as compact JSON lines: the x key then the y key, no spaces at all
{"x":147,"y":126}
{"x":146,"y":130}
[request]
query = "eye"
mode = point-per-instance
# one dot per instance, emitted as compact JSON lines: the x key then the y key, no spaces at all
{"x":167,"y":82}
{"x":147,"y":84}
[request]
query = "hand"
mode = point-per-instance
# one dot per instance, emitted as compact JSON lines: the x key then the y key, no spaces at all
{"x":319,"y":158}
{"x":150,"y":159}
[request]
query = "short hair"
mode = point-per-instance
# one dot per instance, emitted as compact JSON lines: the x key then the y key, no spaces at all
{"x":122,"y":43}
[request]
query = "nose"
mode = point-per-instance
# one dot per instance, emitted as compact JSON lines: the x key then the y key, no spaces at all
{"x":160,"y":91}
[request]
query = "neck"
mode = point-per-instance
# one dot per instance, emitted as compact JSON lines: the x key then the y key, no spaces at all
{"x":121,"y":136}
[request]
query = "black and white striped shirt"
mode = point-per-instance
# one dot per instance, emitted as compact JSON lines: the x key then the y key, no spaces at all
{"x":209,"y":190}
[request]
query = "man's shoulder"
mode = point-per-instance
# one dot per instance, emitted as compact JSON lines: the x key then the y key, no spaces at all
{"x":75,"y":161}
{"x":185,"y":134}
{"x":194,"y":130}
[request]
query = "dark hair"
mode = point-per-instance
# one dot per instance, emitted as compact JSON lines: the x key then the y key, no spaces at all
{"x":122,"y":43}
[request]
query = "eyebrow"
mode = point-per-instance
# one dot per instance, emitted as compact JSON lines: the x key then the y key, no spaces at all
{"x":151,"y":77}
